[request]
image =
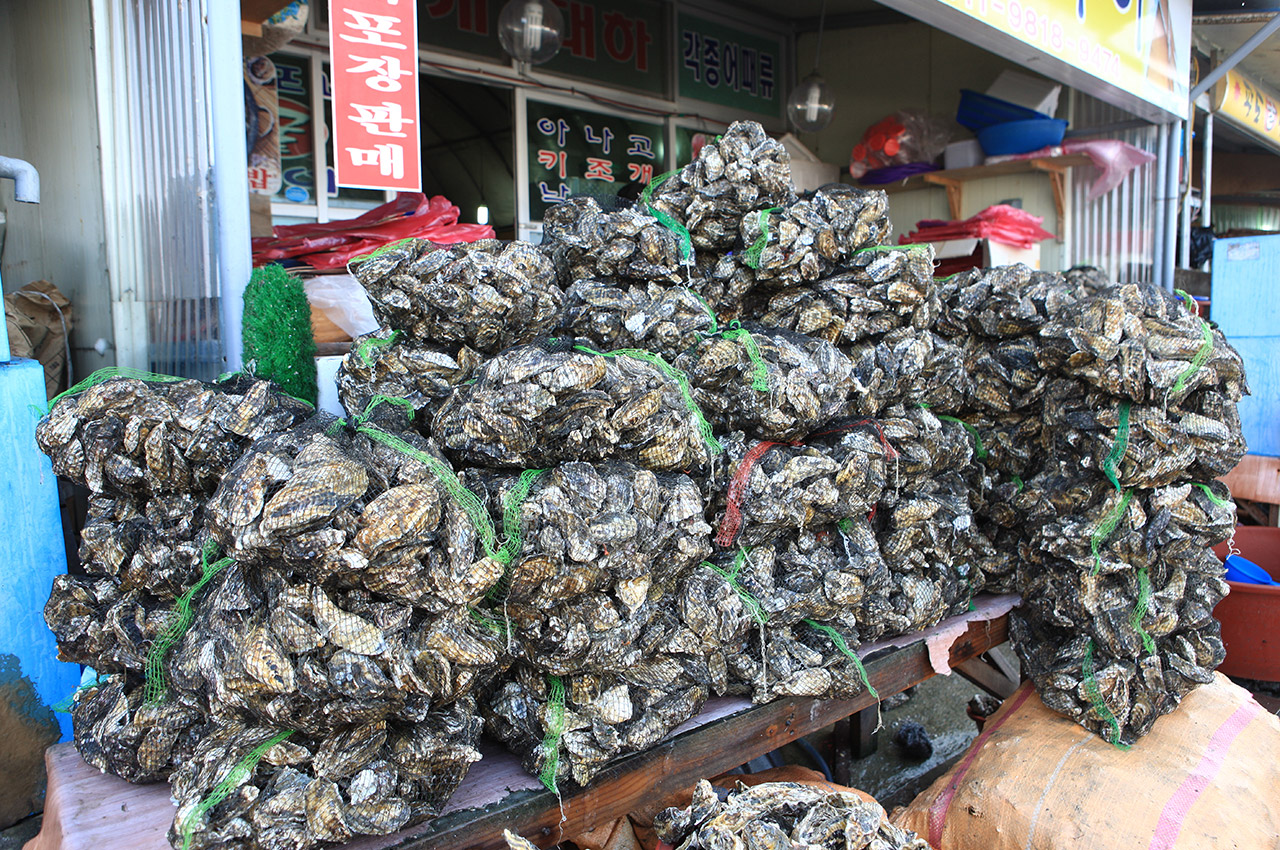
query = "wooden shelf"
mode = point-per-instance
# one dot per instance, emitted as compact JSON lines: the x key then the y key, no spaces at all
{"x":83,"y":807}
{"x":953,"y":180}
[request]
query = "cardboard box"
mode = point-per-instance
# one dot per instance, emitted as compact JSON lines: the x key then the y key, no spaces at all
{"x":1032,"y":92}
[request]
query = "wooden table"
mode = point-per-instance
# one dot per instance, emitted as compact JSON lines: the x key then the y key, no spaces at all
{"x":87,"y":810}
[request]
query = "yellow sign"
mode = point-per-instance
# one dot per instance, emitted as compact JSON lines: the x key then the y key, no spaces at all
{"x":1140,"y":46}
{"x":1249,"y":105}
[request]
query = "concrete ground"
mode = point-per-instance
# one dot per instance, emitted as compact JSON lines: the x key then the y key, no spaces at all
{"x":20,"y":833}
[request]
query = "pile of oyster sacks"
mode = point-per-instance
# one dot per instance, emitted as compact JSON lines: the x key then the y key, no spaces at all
{"x":707,"y":445}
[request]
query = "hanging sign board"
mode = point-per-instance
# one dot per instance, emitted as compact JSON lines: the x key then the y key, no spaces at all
{"x":573,"y":151}
{"x":376,"y":130}
{"x":1135,"y":54}
{"x":620,"y":43}
{"x":1248,"y":105}
{"x":729,"y":66}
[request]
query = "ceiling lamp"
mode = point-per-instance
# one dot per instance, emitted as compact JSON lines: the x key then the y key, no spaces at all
{"x":810,"y":106}
{"x":530,"y":30}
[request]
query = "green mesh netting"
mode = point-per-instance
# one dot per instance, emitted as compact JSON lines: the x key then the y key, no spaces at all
{"x":493,"y":624}
{"x":277,"y":332}
{"x":65,"y":706}
{"x":1213,"y":497}
{"x":757,"y":248}
{"x":1017,"y":479}
{"x":1140,"y":610}
{"x":715,"y":322}
{"x":979,"y":450}
{"x":103,"y":375}
{"x":759,"y":370}
{"x":1094,"y":693}
{"x":156,"y":687}
{"x":915,"y":246}
{"x":513,"y":541}
{"x":681,"y":379}
{"x":1197,"y":362}
{"x":1110,"y":464}
{"x":363,"y":349}
{"x":681,"y":232}
{"x":555,"y":730}
{"x":845,"y":524}
{"x":1191,"y":302}
{"x":237,"y":776}
{"x":1106,"y":527}
{"x":841,"y":645}
{"x":379,"y":251}
{"x":730,"y":576}
{"x":468,"y":501}
{"x":403,"y":403}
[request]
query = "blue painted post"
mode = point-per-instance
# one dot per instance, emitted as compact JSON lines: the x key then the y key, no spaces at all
{"x":31,"y":547}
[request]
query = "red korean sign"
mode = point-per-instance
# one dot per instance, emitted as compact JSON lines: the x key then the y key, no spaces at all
{"x":376,"y":130}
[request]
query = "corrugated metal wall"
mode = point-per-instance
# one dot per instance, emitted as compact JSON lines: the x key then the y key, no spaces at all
{"x":1116,"y":232}
{"x":155,"y":128}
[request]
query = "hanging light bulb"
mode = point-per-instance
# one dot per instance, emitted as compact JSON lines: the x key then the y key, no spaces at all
{"x":809,"y":107}
{"x":530,"y":30}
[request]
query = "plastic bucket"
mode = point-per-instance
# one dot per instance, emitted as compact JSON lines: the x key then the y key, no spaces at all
{"x":1250,"y":615}
{"x":978,"y":111}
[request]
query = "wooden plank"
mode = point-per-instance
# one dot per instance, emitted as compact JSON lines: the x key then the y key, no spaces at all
{"x":1255,"y":478}
{"x":983,"y":172}
{"x":88,"y":810}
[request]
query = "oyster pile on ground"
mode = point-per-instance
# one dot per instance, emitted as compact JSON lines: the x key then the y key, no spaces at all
{"x":780,"y":815}
{"x":539,"y":405}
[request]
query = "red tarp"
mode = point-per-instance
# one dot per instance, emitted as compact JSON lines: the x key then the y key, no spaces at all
{"x":331,"y":245}
{"x":1000,"y":223}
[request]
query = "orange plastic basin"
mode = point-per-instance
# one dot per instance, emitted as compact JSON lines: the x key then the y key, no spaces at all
{"x":1250,"y":615}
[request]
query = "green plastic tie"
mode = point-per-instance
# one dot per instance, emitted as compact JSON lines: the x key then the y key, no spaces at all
{"x":103,"y":375}
{"x":156,"y":687}
{"x":845,"y":525}
{"x":759,"y":369}
{"x":731,"y":578}
{"x":379,"y":399}
{"x":1191,"y":302}
{"x":379,"y":251}
{"x":239,"y":774}
{"x":468,"y":501}
{"x":1197,"y":362}
{"x":1094,"y":693}
{"x":1140,"y":610}
{"x":493,"y":624}
{"x":1213,"y":497}
{"x":555,"y":730}
{"x":335,"y":428}
{"x":1106,"y":527}
{"x":715,"y":322}
{"x":363,"y":349}
{"x":841,"y":645}
{"x":757,"y":248}
{"x":1111,"y":463}
{"x":979,"y":450}
{"x":681,"y":379}
{"x":681,"y":232}
{"x":1017,"y":479}
{"x":881,"y":249}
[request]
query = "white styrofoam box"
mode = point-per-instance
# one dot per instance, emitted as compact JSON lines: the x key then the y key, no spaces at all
{"x":1032,"y":92}
{"x":327,"y":380}
{"x":954,"y":248}
{"x":964,"y":154}
{"x":996,"y":254}
{"x":797,"y":149}
{"x":811,"y":175}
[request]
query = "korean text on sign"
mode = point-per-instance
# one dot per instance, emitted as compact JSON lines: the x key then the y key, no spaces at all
{"x":376,"y":129}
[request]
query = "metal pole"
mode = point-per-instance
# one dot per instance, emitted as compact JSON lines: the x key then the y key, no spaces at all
{"x":1171,"y":204}
{"x":229,"y":163}
{"x":1157,"y":201}
{"x":1206,"y":180}
{"x":1231,"y":61}
{"x":1184,"y":185}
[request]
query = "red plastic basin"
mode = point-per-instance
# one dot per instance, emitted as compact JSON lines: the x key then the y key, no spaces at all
{"x":1250,"y":615}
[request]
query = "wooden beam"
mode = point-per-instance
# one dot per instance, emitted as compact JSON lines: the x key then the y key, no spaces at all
{"x":1255,"y":478}
{"x":955,"y":191}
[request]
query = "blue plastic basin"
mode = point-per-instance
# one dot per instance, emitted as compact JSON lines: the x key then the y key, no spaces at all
{"x":1021,"y":136}
{"x":978,"y":111}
